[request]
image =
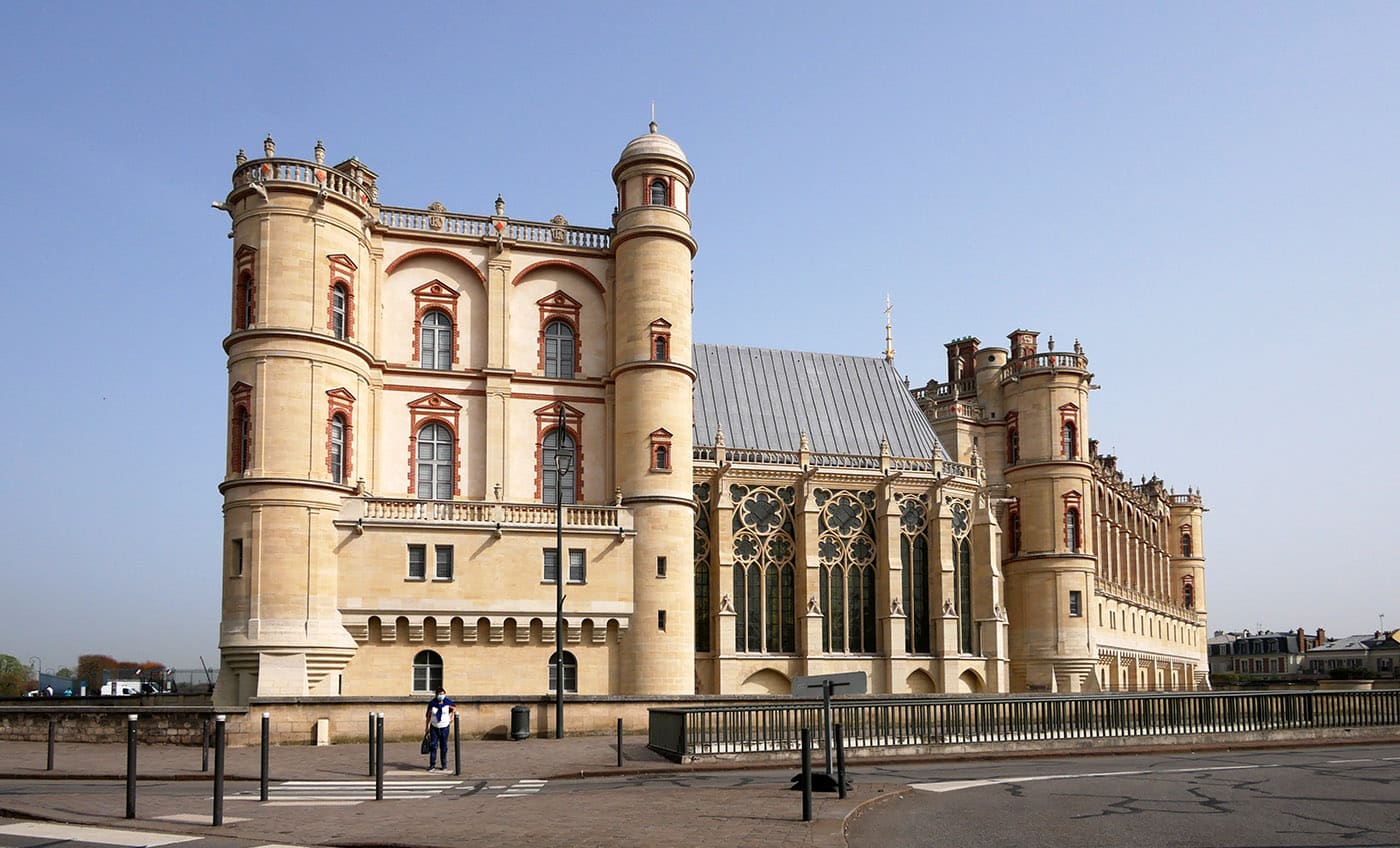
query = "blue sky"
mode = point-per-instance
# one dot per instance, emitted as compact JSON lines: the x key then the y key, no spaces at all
{"x":1204,"y":194}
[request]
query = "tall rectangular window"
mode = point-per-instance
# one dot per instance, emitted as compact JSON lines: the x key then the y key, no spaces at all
{"x":551,"y":565}
{"x":578,"y":567}
{"x":444,"y":562}
{"x":236,"y":555}
{"x":1076,"y":603}
{"x":661,"y":566}
{"x":417,"y":562}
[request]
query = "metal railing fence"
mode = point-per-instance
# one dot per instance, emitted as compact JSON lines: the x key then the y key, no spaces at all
{"x":679,"y":733}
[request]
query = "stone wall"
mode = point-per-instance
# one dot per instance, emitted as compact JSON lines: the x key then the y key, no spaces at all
{"x":154,"y":725}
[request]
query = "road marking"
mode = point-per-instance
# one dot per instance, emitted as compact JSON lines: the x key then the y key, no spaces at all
{"x":1337,"y":762}
{"x":955,"y":785}
{"x":326,"y":793}
{"x":105,"y":835}
{"x":197,"y":818}
{"x":522,"y":788}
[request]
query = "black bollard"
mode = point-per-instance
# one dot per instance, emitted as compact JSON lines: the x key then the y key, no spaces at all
{"x":619,"y":743}
{"x":371,"y":744}
{"x":131,"y":766}
{"x":204,"y":745}
{"x":379,"y":757}
{"x":456,"y":744}
{"x":806,"y":774}
{"x":219,"y":739}
{"x":840,"y":761}
{"x":52,"y":725}
{"x":262,"y":776}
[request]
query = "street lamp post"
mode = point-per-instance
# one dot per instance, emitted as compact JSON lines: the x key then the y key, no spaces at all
{"x":563,"y":464}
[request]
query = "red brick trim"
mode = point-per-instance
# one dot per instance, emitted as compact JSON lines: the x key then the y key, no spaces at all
{"x":430,"y":409}
{"x":547,"y":419}
{"x":240,"y":400}
{"x":1069,"y":414}
{"x":1073,"y":501}
{"x":434,"y":251}
{"x":560,"y":263}
{"x":435,"y":294}
{"x":342,"y":273}
{"x":560,"y":307}
{"x":660,"y":348}
{"x":341,"y":402}
{"x":245,"y":301}
{"x":660,"y":450}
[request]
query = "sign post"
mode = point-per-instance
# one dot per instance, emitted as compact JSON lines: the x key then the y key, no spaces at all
{"x":824,"y":686}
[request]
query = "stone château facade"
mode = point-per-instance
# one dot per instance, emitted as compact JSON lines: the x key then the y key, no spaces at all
{"x":402,"y":381}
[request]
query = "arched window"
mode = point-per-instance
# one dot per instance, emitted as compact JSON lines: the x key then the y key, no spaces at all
{"x":435,"y":461}
{"x":559,"y":350}
{"x":663,"y":458}
{"x":435,"y":342}
{"x":243,"y":448}
{"x":243,"y":303}
{"x":1067,"y":440}
{"x":1188,"y":596}
{"x":1186,"y":543}
{"x":427,"y":671}
{"x":764,"y":577}
{"x":570,"y":672}
{"x":554,"y":442}
{"x":658,"y":192}
{"x":337,"y":449}
{"x":1015,"y":531}
{"x":659,"y":349}
{"x":1013,"y":445}
{"x":340,"y":300}
{"x":1072,"y":529}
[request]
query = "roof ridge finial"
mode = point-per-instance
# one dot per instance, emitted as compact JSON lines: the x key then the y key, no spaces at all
{"x":889,"y":330}
{"x":652,"y":126}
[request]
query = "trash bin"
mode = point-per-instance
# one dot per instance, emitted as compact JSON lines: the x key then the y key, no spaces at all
{"x":519,"y":723}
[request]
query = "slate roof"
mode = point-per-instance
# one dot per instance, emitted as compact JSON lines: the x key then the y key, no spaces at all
{"x":765,"y":399}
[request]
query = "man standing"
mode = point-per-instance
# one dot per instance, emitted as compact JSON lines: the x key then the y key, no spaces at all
{"x":436,"y":725}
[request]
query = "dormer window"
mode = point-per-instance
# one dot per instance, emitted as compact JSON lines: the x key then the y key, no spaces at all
{"x":661,"y":340}
{"x":661,"y":450}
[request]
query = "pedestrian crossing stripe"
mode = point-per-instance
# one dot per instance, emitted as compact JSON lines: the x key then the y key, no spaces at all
{"x":523,"y":788}
{"x":100,"y":835}
{"x":343,"y":792}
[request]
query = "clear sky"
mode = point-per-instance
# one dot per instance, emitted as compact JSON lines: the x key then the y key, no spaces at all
{"x":1205,"y":194}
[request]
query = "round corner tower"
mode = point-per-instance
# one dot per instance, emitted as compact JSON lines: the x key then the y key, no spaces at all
{"x":1050,"y":578}
{"x":302,"y":261}
{"x":653,"y":380}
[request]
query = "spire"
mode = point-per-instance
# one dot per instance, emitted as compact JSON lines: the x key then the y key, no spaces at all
{"x":889,"y":330}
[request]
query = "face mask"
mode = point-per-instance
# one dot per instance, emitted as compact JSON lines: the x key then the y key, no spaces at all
{"x":442,"y":697}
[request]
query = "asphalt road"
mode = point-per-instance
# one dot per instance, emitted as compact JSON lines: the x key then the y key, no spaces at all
{"x":1305,"y":797}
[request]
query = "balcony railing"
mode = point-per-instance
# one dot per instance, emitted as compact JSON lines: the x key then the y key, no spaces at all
{"x":488,"y":514}
{"x":768,"y":729}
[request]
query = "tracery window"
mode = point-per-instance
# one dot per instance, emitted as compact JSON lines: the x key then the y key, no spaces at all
{"x":962,"y":571}
{"x":702,"y":566}
{"x":764,"y":575}
{"x":846,"y":549}
{"x":913,"y":559}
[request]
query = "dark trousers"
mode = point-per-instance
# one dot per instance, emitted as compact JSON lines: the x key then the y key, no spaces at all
{"x":438,"y":741}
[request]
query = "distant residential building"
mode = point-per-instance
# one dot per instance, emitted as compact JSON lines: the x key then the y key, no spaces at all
{"x":1378,"y":653}
{"x":1267,"y":654}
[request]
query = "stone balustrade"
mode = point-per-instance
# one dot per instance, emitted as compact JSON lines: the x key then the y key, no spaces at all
{"x":301,"y":172}
{"x":482,"y":226}
{"x":490,"y":514}
{"x":1043,"y":362}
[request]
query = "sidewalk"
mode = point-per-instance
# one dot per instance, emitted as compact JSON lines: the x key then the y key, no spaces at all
{"x":477,"y":812}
